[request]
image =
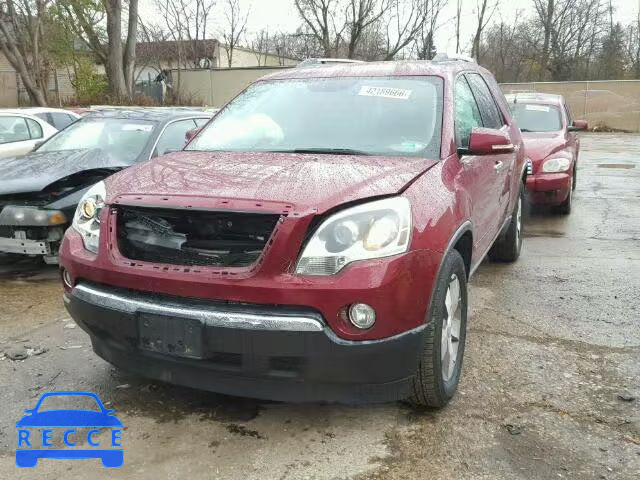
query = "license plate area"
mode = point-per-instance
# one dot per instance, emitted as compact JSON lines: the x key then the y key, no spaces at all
{"x":180,"y":337}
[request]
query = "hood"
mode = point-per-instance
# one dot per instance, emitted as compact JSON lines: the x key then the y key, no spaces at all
{"x":539,"y":145}
{"x":37,"y":170}
{"x":307,"y":181}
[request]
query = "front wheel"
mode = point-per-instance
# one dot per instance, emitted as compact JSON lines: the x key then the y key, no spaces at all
{"x":440,"y":362}
{"x":565,"y":207}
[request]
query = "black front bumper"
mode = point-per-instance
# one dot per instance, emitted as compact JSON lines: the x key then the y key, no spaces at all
{"x":265,"y":360}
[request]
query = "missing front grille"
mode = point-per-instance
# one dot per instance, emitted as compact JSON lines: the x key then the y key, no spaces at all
{"x":193,"y":237}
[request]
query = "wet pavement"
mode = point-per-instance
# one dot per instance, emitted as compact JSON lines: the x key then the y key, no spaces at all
{"x":550,"y":387}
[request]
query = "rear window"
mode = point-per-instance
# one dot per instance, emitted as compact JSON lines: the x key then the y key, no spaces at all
{"x":395,"y":116}
{"x":535,"y":117}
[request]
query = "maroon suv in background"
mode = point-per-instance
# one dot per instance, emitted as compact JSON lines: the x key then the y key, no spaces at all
{"x":551,"y":147}
{"x":312,"y":242}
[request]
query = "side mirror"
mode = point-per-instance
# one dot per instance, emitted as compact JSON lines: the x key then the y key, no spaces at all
{"x":37,"y":145}
{"x":487,"y":141}
{"x":578,"y":125}
{"x":192,"y":133}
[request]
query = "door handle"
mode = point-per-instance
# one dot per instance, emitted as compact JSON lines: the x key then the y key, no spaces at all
{"x":498,"y":166}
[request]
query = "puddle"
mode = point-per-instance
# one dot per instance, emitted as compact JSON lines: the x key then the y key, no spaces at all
{"x":544,"y":233}
{"x":616,"y":165}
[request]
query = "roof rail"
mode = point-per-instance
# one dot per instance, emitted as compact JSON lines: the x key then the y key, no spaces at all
{"x":452,"y":57}
{"x":310,"y":62}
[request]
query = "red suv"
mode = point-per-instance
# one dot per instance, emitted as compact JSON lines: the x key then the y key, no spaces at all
{"x":312,"y":242}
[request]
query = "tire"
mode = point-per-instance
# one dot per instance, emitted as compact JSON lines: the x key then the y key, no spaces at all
{"x":565,"y":207}
{"x":9,"y":258}
{"x":433,"y":385}
{"x":508,"y":245}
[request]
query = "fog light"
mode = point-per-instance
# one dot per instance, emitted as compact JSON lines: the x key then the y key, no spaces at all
{"x":66,"y":278}
{"x":362,"y":315}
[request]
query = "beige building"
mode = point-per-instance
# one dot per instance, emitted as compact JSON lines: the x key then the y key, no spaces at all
{"x":245,"y":57}
{"x":154,"y":57}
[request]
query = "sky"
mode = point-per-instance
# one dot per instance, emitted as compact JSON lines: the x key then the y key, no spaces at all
{"x":281,"y":15}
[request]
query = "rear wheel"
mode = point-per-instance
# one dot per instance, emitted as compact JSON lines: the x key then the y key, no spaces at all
{"x":440,"y":362}
{"x":508,"y":245}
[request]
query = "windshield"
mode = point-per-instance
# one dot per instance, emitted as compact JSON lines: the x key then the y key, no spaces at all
{"x":533,"y":117}
{"x":398,"y":116}
{"x":122,"y":138}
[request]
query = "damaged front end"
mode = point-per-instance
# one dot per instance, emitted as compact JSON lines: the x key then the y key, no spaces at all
{"x":194,"y":238}
{"x":34,"y":223}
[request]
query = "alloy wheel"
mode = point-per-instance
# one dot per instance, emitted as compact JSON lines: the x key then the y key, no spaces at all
{"x":519,"y":220}
{"x":450,"y":337}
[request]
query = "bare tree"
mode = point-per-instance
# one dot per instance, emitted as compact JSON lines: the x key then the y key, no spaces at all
{"x":484,"y":11}
{"x":22,"y":41}
{"x":633,"y":47}
{"x":85,"y":18}
{"x":261,"y":44}
{"x":404,"y":21}
{"x":321,"y":19}
{"x":424,"y":42}
{"x":340,"y":25}
{"x":236,"y":24}
{"x":186,"y":26}
{"x":360,"y":15}
{"x":301,"y":44}
{"x":458,"y":19}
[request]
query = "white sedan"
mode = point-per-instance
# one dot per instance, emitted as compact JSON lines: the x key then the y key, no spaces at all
{"x":21,"y":132}
{"x":58,"y":118}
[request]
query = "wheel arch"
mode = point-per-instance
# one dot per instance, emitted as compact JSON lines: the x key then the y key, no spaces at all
{"x":462,"y":242}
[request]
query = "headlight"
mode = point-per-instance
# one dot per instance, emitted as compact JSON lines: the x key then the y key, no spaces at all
{"x":556,"y":165}
{"x":86,"y":220}
{"x":371,"y":230}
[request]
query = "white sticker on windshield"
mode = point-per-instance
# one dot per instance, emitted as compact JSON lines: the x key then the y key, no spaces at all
{"x":386,"y":92}
{"x":537,"y":108}
{"x":139,"y":127}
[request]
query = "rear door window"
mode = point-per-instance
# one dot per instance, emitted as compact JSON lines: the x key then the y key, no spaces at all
{"x":491,"y":117}
{"x":13,"y":129}
{"x":467,"y":113}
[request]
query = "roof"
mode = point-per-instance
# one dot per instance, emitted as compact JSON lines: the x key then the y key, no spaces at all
{"x":36,"y":110}
{"x":153,"y":114}
{"x":378,"y":69}
{"x":535,"y":97}
{"x":268,"y":54}
{"x":16,"y":113}
{"x":168,"y":50}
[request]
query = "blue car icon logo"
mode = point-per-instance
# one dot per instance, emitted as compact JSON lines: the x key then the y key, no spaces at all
{"x":33,"y":445}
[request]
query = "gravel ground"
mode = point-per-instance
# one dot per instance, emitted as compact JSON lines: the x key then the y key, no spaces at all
{"x":550,"y":387}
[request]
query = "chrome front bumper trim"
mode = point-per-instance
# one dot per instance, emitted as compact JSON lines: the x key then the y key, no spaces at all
{"x":24,"y":246}
{"x":215,"y":316}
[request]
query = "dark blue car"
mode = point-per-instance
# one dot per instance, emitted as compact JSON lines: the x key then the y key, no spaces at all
{"x":28,"y":455}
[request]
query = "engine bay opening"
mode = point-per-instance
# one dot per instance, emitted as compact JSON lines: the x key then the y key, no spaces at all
{"x":193,"y":237}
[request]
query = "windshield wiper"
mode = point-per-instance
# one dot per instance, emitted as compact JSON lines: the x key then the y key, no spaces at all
{"x":324,"y":151}
{"x":526,"y":130}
